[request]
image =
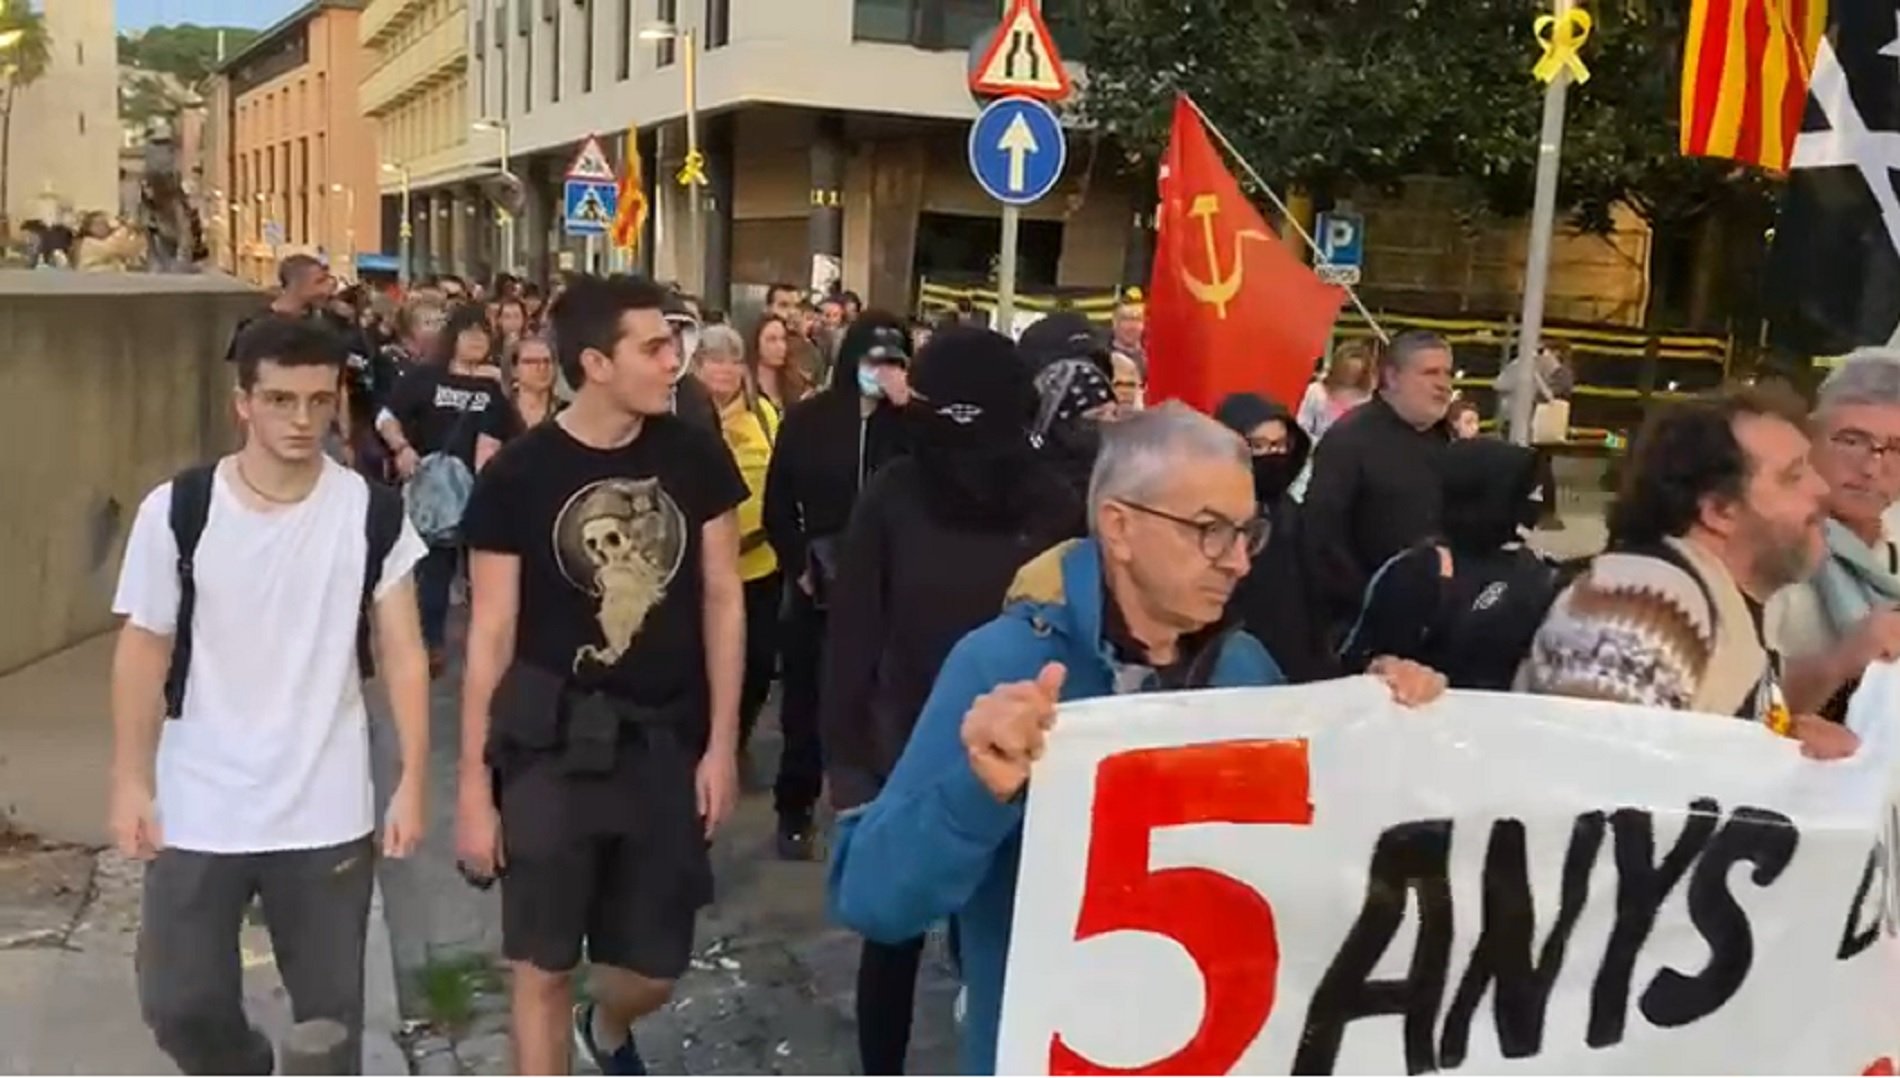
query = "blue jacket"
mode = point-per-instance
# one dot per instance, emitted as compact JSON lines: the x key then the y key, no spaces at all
{"x":935,"y":843}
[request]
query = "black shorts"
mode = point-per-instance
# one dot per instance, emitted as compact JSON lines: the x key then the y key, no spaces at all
{"x":618,"y":863}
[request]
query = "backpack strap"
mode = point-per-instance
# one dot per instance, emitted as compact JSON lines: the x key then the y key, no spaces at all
{"x":190,"y":510}
{"x":382,"y":526}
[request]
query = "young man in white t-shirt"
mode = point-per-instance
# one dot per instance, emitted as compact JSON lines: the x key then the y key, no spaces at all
{"x":258,"y":784}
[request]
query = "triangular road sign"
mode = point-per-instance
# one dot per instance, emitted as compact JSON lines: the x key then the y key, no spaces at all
{"x":1022,"y":60}
{"x":591,"y":163}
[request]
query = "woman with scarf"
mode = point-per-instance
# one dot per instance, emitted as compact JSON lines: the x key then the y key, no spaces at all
{"x":972,"y":497}
{"x":1272,"y":602}
{"x":1829,"y":629}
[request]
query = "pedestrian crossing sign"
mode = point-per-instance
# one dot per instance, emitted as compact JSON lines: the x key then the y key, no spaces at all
{"x":589,"y":206}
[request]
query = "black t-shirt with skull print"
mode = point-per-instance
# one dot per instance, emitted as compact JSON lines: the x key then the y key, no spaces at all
{"x":609,"y":542}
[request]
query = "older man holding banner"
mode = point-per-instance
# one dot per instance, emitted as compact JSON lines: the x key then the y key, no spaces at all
{"x":1138,"y":607}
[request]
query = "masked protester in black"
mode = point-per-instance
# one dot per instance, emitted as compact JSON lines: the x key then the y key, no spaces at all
{"x":932,"y":548}
{"x":1468,"y":603}
{"x":1069,"y":358}
{"x":1273,"y":602}
{"x":829,"y":447}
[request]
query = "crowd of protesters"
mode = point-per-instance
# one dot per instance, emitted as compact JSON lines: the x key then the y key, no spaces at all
{"x":927,"y":536}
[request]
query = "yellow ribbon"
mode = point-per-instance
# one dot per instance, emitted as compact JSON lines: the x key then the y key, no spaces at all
{"x":693,"y":172}
{"x":1562,"y":37}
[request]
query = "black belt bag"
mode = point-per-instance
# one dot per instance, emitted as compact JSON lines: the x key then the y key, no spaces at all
{"x":540,"y":712}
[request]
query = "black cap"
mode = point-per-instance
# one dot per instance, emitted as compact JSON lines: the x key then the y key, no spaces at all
{"x":874,"y":338}
{"x":1064,"y":335}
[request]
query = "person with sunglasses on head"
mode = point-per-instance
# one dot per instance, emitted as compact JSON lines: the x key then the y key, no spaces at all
{"x":1138,"y":607}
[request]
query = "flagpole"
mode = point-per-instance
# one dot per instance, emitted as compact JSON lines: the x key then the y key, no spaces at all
{"x":1550,"y":145}
{"x":1286,"y":215}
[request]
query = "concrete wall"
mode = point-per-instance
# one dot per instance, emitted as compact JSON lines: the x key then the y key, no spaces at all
{"x":114,"y":382}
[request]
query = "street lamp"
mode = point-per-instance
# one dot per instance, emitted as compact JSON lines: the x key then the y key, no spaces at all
{"x":407,"y":230}
{"x":500,"y":127}
{"x":693,"y":174}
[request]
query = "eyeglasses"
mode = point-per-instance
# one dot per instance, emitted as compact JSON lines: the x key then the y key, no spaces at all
{"x":1217,"y":533}
{"x":1860,"y":446}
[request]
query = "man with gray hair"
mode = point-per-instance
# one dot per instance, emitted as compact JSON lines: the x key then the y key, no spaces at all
{"x":1136,"y":607}
{"x":1842,"y":618}
{"x":1375,"y":485}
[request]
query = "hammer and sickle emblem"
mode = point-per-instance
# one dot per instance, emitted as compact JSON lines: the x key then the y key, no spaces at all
{"x":1220,"y":291}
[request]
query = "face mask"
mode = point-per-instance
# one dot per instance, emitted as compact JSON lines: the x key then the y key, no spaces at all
{"x":1272,"y":475}
{"x":868,"y":386}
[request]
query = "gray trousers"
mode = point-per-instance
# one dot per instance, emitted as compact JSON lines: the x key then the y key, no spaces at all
{"x":191,"y":977}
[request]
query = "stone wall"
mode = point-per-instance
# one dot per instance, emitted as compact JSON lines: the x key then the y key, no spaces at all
{"x":109,"y":383}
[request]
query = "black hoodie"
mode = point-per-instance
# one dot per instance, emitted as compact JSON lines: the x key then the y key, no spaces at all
{"x":1273,"y":601}
{"x":932,"y":548}
{"x":826,"y":453}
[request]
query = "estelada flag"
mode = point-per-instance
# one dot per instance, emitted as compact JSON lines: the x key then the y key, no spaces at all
{"x":630,"y":217}
{"x":1745,"y":73}
{"x":1230,"y":309}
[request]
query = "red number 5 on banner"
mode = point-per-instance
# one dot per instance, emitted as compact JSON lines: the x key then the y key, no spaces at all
{"x":1225,"y":926}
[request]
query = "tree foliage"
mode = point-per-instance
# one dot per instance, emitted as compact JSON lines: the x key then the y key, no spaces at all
{"x":24,"y":62}
{"x":187,"y":52}
{"x":1331,"y":95}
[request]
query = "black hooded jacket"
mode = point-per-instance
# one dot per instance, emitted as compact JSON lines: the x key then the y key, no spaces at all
{"x":1468,"y":602}
{"x":931,"y":551}
{"x":826,"y":453}
{"x":1273,"y":602}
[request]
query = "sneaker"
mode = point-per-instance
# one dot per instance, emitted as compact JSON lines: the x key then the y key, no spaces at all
{"x":796,"y":841}
{"x":622,"y":1060}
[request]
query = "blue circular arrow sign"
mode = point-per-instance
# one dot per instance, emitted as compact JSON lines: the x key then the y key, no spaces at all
{"x":1017,"y":150}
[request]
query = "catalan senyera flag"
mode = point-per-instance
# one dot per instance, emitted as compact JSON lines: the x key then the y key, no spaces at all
{"x":1230,"y":309}
{"x":1745,"y":71}
{"x":630,"y":218}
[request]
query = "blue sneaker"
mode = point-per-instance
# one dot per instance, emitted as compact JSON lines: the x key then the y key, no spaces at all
{"x":622,"y":1060}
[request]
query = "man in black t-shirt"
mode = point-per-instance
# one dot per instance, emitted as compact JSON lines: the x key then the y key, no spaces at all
{"x":601,"y":708}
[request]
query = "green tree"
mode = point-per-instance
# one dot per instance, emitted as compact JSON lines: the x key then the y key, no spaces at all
{"x":25,"y":52}
{"x":1333,"y":95}
{"x":187,"y":52}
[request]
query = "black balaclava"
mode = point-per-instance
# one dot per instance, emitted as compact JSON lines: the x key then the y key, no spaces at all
{"x":1272,"y":475}
{"x":971,"y":405}
{"x":1489,"y":493}
{"x":1069,"y":388}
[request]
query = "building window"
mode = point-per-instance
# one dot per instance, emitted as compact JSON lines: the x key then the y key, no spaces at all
{"x":718,"y":23}
{"x":79,"y":53}
{"x":527,"y":66}
{"x":82,"y":123}
{"x":623,"y":57}
{"x":926,"y":24}
{"x":587,"y":46}
{"x":668,"y":12}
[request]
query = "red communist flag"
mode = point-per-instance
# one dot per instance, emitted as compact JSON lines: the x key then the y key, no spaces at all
{"x":1230,"y":310}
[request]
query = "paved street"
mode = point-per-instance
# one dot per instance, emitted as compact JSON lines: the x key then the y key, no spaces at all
{"x":771,"y":987}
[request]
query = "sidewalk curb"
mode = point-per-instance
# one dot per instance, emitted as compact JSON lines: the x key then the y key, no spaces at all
{"x":382,"y":1011}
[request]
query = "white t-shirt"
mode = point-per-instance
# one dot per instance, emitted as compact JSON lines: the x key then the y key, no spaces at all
{"x":272,"y":751}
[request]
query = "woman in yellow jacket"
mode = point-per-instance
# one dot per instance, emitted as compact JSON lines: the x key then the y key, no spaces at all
{"x":750,"y":422}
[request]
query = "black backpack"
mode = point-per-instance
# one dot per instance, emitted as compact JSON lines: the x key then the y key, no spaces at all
{"x":191,"y":510}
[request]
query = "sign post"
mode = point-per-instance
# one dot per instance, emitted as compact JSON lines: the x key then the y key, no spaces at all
{"x":590,"y":199}
{"x":1017,"y":146}
{"x":1342,"y":247}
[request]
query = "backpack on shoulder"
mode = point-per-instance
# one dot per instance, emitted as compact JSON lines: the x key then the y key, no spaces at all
{"x":191,"y":510}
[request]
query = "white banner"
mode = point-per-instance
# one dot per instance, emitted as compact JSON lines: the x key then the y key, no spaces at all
{"x":1313,"y":880}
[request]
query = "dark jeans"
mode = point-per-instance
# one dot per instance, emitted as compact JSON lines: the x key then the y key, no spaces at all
{"x":190,"y":973}
{"x":801,"y":764}
{"x":1546,"y":477}
{"x":434,"y":577}
{"x":887,"y":996}
{"x":764,"y":598}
